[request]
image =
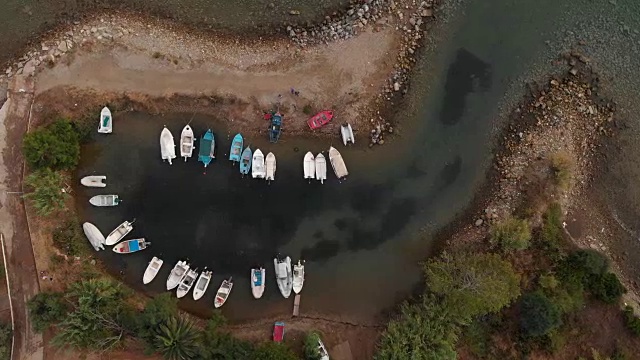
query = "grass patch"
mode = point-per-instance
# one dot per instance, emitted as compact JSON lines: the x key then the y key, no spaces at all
{"x":511,"y":234}
{"x":562,"y":167}
{"x":307,"y":109}
{"x":69,"y":239}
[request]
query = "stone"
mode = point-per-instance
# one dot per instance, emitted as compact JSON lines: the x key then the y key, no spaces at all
{"x":396,"y":86}
{"x":554,"y":82}
{"x":45,"y":47}
{"x":573,"y":71}
{"x":381,"y":142}
{"x":94,"y":29}
{"x":62,"y":46}
{"x":479,"y":222}
{"x":426,"y":13}
{"x":294,"y":12}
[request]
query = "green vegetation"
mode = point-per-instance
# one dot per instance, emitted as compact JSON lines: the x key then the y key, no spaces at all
{"x":562,"y":167}
{"x":177,"y":339}
{"x":46,"y":309}
{"x":310,"y":348}
{"x":631,"y":321}
{"x":273,"y":351}
{"x":307,"y":109}
{"x":538,"y":314}
{"x":6,"y":335}
{"x":56,"y":146}
{"x":511,"y":234}
{"x":69,"y":239}
{"x":47,"y":195}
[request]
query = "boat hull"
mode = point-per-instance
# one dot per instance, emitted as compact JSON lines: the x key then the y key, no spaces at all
{"x":152,"y":270}
{"x":347,"y":134}
{"x":167,"y":146}
{"x":207,"y":150}
{"x":178,"y":272}
{"x":298,"y":277}
{"x":187,"y":142}
{"x":270,"y":164}
{"x":258,"y":283}
{"x":321,"y":168}
{"x":257,"y":165}
{"x":337,"y":163}
{"x":223,"y":293}
{"x":204,"y":279}
{"x":186,"y":283}
{"x":235,"y":152}
{"x":119,"y":233}
{"x":94,"y":236}
{"x":106,"y":121}
{"x":245,"y":161}
{"x":95,"y":181}
{"x":283,"y":276}
{"x":130,"y":246}
{"x":104,"y":200}
{"x":309,"y":166}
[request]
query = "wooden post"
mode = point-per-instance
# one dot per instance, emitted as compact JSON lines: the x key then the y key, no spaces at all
{"x":296,"y":305}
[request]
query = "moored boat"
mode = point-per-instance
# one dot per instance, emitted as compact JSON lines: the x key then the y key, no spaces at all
{"x":283,"y":275}
{"x":321,"y":168}
{"x":207,"y":150}
{"x":257,"y":165}
{"x":337,"y":163}
{"x":347,"y":134}
{"x":187,"y":142}
{"x":236,"y":148}
{"x":106,"y":121}
{"x":167,"y":145}
{"x":309,"y":166}
{"x":105,"y":200}
{"x":97,"y":181}
{"x":131,"y":246}
{"x":152,"y":270}
{"x":270,"y":163}
{"x":223,"y":292}
{"x":202,"y":284}
{"x":257,"y":282}
{"x":119,"y":233}
{"x":178,"y":272}
{"x":276,"y":127}
{"x":245,"y":161}
{"x":186,"y":283}
{"x":298,"y":277}
{"x":94,"y":236}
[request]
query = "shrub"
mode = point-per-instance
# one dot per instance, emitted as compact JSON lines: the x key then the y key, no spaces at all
{"x":511,"y":234}
{"x":46,"y":309}
{"x":631,"y":321}
{"x":607,"y":288}
{"x":56,"y":146}
{"x":310,"y":347}
{"x":6,"y":336}
{"x":69,"y":239}
{"x":273,"y":351}
{"x":307,"y":109}
{"x":177,"y":339}
{"x":581,"y":265}
{"x":217,"y":345}
{"x":551,"y":232}
{"x":562,"y":167}
{"x":538,"y":314}
{"x":47,"y":195}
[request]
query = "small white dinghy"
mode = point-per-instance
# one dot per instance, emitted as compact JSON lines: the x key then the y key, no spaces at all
{"x":177,"y":274}
{"x":257,"y":165}
{"x":187,"y":142}
{"x":271,"y":167}
{"x":202,"y":284}
{"x":321,"y":168}
{"x":339,"y":167}
{"x":97,"y":181}
{"x":347,"y":134}
{"x":298,"y":277}
{"x":94,"y":236}
{"x":223,"y":293}
{"x":309,"y":166}
{"x":186,"y":283}
{"x":119,"y":233}
{"x":152,"y":270}
{"x":105,"y":200}
{"x":106,"y":121}
{"x":257,"y":282}
{"x":167,"y":145}
{"x":283,"y":275}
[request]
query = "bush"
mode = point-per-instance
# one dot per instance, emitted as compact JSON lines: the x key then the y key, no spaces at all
{"x":562,"y":167}
{"x":6,"y":336}
{"x":538,"y":314}
{"x":581,"y":265}
{"x":307,"y":109}
{"x":69,"y":239}
{"x":47,"y":195}
{"x":310,"y":348}
{"x":607,"y":288}
{"x":273,"y":351}
{"x":511,"y":234}
{"x":56,"y":146}
{"x":216,"y":345}
{"x":46,"y":309}
{"x":631,"y":321}
{"x":552,"y":230}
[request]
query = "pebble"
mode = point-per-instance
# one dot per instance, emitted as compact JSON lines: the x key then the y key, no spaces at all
{"x":479,"y":222}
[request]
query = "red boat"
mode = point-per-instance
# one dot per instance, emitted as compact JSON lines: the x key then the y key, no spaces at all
{"x":278,"y":331}
{"x":320,"y":119}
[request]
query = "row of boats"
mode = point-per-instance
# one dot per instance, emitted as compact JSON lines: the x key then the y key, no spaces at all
{"x":98,"y":241}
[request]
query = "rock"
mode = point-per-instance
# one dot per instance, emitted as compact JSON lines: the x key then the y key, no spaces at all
{"x":479,"y":222}
{"x":8,"y":71}
{"x":294,"y":12}
{"x":365,"y":7}
{"x":573,"y":71}
{"x":94,"y":29}
{"x":412,"y":21}
{"x":62,"y":46}
{"x":554,"y":82}
{"x":45,"y":47}
{"x":396,"y":86}
{"x":350,"y":12}
{"x":426,"y":13}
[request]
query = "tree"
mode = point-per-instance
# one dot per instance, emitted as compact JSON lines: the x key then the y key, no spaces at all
{"x":47,"y":195}
{"x":177,"y":339}
{"x":56,"y":146}
{"x":46,"y":309}
{"x":218,"y":345}
{"x":273,"y":351}
{"x":607,"y":288}
{"x":538,"y":314}
{"x":156,"y":312}
{"x":511,"y":234}
{"x":310,"y":348}
{"x":6,"y":336}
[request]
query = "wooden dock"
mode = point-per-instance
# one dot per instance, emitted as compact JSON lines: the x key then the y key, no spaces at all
{"x":296,"y":305}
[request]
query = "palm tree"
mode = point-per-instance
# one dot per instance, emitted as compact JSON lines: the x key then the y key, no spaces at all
{"x":177,"y":339}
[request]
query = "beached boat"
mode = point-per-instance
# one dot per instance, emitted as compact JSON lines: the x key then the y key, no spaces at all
{"x":278,"y":331}
{"x":223,"y":293}
{"x":97,"y":181}
{"x":207,"y":150}
{"x":186,"y":283}
{"x":105,"y":200}
{"x":119,"y":233}
{"x":257,"y":165}
{"x":202,"y":284}
{"x":257,"y":282}
{"x":309,"y":166}
{"x":298,"y":277}
{"x":322,"y":350}
{"x":320,"y":119}
{"x":94,"y":236}
{"x":131,"y":246}
{"x":236,"y":148}
{"x":106,"y":121}
{"x":271,"y":167}
{"x":337,"y":163}
{"x":187,"y":142}
{"x":167,"y":145}
{"x":283,"y":275}
{"x":152,"y":270}
{"x":321,"y":168}
{"x":178,"y":272}
{"x":276,"y":127}
{"x":347,"y":134}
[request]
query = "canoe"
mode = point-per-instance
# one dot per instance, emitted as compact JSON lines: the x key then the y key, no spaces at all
{"x":257,"y":282}
{"x":152,"y":270}
{"x":309,"y":166}
{"x":207,"y":151}
{"x":347,"y":134}
{"x":119,"y":233}
{"x":298,"y":277}
{"x":106,"y":121}
{"x":96,"y":181}
{"x":271,"y":167}
{"x":186,"y":283}
{"x":337,"y":163}
{"x":105,"y":200}
{"x":178,"y":272}
{"x":283,"y":275}
{"x":257,"y":165}
{"x":131,"y":246}
{"x":94,"y":236}
{"x":321,"y":168}
{"x":236,"y":148}
{"x":167,"y":145}
{"x":202,"y":284}
{"x":223,"y":293}
{"x":276,"y":127}
{"x":245,"y":161}
{"x":187,"y":142}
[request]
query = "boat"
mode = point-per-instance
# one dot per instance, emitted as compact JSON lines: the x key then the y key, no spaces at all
{"x":96,"y":181}
{"x":309,"y":166}
{"x":320,"y":119}
{"x":167,"y":145}
{"x":257,"y":282}
{"x":223,"y":292}
{"x":105,"y":200}
{"x":202,"y":284}
{"x":106,"y":121}
{"x":186,"y":283}
{"x":347,"y":134}
{"x":178,"y":272}
{"x":321,"y":168}
{"x":271,"y":167}
{"x":298,"y":277}
{"x":245,"y":161}
{"x":337,"y":163}
{"x":276,"y":127}
{"x":152,"y":270}
{"x":283,"y":275}
{"x":131,"y":246}
{"x":207,"y":151}
{"x":119,"y":233}
{"x":187,"y":142}
{"x":322,"y":350}
{"x":257,"y":165}
{"x":94,"y":236}
{"x":278,"y":331}
{"x":236,"y":148}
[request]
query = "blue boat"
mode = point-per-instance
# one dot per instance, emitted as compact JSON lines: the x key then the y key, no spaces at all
{"x":276,"y":127}
{"x":236,"y":148}
{"x":245,"y":161}
{"x":207,"y":150}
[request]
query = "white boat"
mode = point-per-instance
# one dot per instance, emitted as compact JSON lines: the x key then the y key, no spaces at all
{"x":283,"y":275}
{"x":321,"y":168}
{"x":324,"y":354}
{"x":106,"y":121}
{"x":152,"y":270}
{"x":105,"y":200}
{"x":223,"y":293}
{"x":271,"y":167}
{"x":167,"y":145}
{"x":177,"y":274}
{"x":202,"y":284}
{"x":257,"y":282}
{"x":337,"y":163}
{"x":298,"y":277}
{"x":94,"y":235}
{"x":347,"y":134}
{"x":257,"y":165}
{"x":186,"y":283}
{"x":97,"y":181}
{"x":119,"y":233}
{"x":309,"y":166}
{"x":187,"y":142}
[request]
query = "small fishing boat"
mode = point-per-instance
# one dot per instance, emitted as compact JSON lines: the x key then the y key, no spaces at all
{"x":178,"y":272}
{"x":278,"y":331}
{"x":202,"y":284}
{"x":321,"y":168}
{"x":245,"y":161}
{"x":207,"y":151}
{"x":187,"y":142}
{"x":309,"y":166}
{"x":167,"y":145}
{"x":276,"y":127}
{"x":283,"y":275}
{"x":94,"y":236}
{"x":152,"y":270}
{"x":106,"y":121}
{"x":223,"y":292}
{"x":339,"y":167}
{"x":347,"y":134}
{"x":186,"y":283}
{"x":119,"y":233}
{"x":96,"y":181}
{"x":257,"y":282}
{"x":298,"y":277}
{"x":257,"y":165}
{"x":105,"y":200}
{"x":131,"y":246}
{"x":271,"y":167}
{"x":236,"y":148}
{"x":320,"y":119}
